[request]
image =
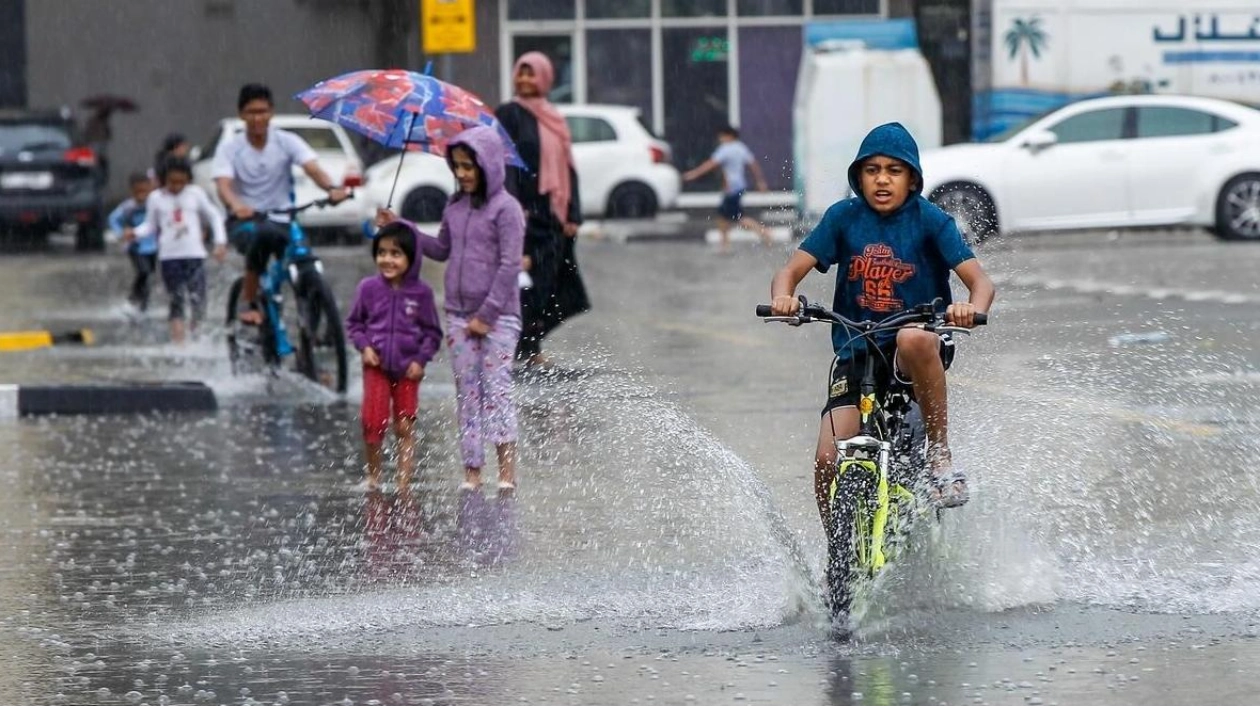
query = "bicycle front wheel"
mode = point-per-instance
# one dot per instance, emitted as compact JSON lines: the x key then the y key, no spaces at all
{"x":842,"y":538}
{"x":855,"y":535}
{"x":321,"y":344}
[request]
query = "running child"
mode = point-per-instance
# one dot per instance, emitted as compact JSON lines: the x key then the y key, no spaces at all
{"x":483,"y":236}
{"x":141,"y":251}
{"x":393,"y":322}
{"x":732,"y":156}
{"x":175,"y":214}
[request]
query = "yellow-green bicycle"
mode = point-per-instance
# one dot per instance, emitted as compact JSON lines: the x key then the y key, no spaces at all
{"x":879,"y":486}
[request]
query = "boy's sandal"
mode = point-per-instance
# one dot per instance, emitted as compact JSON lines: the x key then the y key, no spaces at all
{"x":469,"y":486}
{"x":949,"y":490}
{"x":507,"y":486}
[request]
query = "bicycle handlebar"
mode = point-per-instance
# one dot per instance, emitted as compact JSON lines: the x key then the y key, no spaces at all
{"x":295,"y":210}
{"x":812,"y":312}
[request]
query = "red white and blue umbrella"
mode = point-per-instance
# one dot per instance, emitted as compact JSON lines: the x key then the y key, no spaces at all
{"x":404,"y":110}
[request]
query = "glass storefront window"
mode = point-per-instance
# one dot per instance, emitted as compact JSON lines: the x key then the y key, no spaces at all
{"x":846,"y":7}
{"x":694,"y":8}
{"x":540,"y":9}
{"x":619,"y":68}
{"x":559,"y":49}
{"x":616,"y":9}
{"x":767,"y":81}
{"x":769,"y":7}
{"x":697,"y":95}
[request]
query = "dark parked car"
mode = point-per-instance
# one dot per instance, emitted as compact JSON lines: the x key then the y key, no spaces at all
{"x":48,"y":178}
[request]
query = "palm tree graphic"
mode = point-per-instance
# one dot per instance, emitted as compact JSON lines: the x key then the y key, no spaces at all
{"x":1023,"y":37}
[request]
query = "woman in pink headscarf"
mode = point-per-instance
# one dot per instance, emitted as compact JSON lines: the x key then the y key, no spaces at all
{"x":548,"y":191}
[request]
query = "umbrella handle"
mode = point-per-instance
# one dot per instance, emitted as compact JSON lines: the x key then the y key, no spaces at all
{"x":411,"y":124}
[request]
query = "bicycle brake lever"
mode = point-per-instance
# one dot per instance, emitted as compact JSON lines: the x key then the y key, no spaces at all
{"x":954,"y":330}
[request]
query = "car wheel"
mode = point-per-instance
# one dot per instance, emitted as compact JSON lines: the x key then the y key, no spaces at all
{"x":632,"y":200}
{"x":424,"y":205}
{"x":90,"y":235}
{"x":972,"y":208}
{"x":1238,"y":209}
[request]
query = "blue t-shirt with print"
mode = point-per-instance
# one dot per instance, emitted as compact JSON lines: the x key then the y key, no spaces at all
{"x":887,"y":263}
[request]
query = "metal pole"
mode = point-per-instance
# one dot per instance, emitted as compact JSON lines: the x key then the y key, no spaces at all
{"x":410,"y":124}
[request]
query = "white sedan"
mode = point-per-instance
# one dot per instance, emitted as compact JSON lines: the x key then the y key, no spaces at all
{"x":623,"y":171}
{"x":1114,"y":162}
{"x":336,"y":154}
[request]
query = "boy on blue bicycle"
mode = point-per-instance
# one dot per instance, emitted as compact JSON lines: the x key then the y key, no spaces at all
{"x":896,"y":250}
{"x":253,"y":172}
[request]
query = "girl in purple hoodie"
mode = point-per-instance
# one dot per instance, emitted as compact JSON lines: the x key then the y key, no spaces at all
{"x":483,"y":236}
{"x":394,"y":323}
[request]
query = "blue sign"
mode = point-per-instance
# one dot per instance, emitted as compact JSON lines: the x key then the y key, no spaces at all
{"x":875,"y":34}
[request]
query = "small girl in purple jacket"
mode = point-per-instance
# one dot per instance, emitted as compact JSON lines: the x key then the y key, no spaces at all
{"x":483,"y":236}
{"x":394,"y":323}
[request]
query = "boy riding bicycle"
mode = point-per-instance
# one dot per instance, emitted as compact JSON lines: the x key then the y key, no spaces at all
{"x":252,"y":172}
{"x":896,"y":249}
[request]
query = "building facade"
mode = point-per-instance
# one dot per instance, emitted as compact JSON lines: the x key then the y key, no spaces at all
{"x":691,"y":66}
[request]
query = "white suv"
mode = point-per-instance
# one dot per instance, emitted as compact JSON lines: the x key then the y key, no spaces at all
{"x":623,"y":172}
{"x":337,"y":157}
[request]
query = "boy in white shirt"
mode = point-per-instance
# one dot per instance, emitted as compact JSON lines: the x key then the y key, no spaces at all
{"x":175,"y":213}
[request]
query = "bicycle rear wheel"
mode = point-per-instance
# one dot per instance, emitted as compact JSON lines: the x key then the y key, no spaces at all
{"x":321,"y":344}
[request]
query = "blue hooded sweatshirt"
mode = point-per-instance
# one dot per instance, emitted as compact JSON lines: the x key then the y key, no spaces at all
{"x":130,"y":214}
{"x":887,"y":263}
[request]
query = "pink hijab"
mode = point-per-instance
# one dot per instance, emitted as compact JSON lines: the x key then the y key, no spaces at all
{"x":555,"y":155}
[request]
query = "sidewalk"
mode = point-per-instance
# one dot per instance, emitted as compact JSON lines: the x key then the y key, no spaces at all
{"x":698,"y":224}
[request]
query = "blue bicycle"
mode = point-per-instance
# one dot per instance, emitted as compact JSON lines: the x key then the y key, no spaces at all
{"x":320,"y":352}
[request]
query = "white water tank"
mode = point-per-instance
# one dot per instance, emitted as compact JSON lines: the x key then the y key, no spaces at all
{"x":844,"y":89}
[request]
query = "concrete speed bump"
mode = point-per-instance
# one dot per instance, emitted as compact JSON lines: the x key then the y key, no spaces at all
{"x":106,"y":398}
{"x":27,"y":340}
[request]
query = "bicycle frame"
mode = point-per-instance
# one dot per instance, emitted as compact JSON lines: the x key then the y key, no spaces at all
{"x":297,"y":256}
{"x":870,"y":451}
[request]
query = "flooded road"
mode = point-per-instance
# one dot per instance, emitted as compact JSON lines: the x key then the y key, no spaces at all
{"x":663,"y":547}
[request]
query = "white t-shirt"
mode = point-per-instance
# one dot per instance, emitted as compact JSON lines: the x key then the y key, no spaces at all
{"x":734,"y":156}
{"x":177,"y":219}
{"x":263,"y":178}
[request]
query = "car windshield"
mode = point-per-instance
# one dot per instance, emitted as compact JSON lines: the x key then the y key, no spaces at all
{"x":318,"y":138}
{"x":19,"y":137}
{"x":1014,"y":129}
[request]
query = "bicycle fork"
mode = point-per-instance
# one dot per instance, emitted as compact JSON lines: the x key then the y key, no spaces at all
{"x":858,"y":470}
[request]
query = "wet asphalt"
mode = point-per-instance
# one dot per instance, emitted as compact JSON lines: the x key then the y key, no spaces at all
{"x":663,"y":547}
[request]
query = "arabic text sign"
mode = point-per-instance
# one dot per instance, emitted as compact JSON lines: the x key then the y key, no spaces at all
{"x":448,"y":26}
{"x":1210,"y":27}
{"x":1043,"y":51}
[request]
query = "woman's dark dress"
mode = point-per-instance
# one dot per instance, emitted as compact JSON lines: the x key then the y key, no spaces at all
{"x":558,"y":292}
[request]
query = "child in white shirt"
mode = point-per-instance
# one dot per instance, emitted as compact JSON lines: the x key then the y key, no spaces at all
{"x":175,"y":213}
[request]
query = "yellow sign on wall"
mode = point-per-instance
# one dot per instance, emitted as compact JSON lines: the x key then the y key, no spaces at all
{"x":448,"y":26}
